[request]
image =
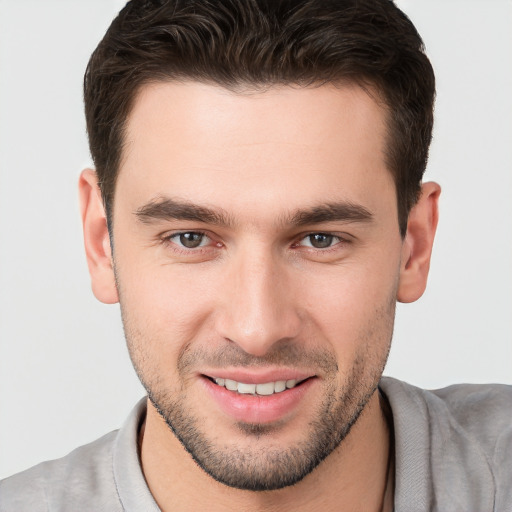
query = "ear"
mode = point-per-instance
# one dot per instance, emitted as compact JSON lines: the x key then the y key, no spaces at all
{"x":417,"y":245}
{"x":96,"y":238}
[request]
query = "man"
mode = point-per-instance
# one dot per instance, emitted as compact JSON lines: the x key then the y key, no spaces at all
{"x":257,"y":209}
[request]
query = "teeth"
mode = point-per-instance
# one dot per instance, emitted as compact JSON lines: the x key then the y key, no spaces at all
{"x":280,"y":385}
{"x":264,"y":389}
{"x":289,"y":383}
{"x":231,"y":385}
{"x":246,"y":389}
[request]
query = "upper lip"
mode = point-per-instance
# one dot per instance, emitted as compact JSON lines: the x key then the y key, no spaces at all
{"x":258,"y":377}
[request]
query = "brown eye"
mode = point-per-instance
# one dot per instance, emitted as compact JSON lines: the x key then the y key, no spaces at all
{"x":320,"y":240}
{"x":190,"y":240}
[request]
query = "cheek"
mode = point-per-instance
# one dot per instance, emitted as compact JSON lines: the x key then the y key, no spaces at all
{"x":163,"y":313}
{"x":166,"y":304}
{"x":354,"y":305}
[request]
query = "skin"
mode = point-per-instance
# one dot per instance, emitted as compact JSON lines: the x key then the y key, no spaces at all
{"x":256,"y":289}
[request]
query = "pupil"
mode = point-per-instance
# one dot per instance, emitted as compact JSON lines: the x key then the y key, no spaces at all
{"x":191,"y":240}
{"x":321,"y":241}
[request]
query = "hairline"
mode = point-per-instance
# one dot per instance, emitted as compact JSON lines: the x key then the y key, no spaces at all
{"x":247,"y":88}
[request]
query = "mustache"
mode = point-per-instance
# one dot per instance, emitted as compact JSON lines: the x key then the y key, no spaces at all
{"x":286,"y":354}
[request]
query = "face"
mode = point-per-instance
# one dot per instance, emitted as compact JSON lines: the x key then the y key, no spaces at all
{"x":257,"y":257}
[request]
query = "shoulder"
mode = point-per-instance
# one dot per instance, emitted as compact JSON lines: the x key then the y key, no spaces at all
{"x":69,"y":483}
{"x":482,"y":411}
{"x":453,"y":445}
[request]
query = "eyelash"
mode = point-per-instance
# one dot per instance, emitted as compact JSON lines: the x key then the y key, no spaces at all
{"x":323,"y":250}
{"x":167,"y":239}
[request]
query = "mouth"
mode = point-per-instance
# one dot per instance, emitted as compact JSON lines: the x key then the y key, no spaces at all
{"x":257,"y":389}
{"x":258,"y":399}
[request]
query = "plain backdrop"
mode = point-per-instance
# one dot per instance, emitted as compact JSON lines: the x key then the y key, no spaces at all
{"x":65,"y":376}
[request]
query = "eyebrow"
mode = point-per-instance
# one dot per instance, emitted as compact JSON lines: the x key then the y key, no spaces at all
{"x":331,"y":212}
{"x":172,"y":209}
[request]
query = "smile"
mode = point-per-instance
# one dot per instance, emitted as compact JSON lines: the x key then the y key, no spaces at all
{"x":263,"y":389}
{"x":259,"y":398}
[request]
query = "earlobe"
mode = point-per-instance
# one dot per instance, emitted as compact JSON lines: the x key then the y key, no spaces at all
{"x":417,"y":245}
{"x":96,"y":238}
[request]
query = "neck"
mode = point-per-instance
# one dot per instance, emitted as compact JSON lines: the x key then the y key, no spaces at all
{"x":354,"y":476}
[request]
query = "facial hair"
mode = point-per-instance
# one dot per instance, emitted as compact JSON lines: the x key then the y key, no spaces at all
{"x":261,"y":468}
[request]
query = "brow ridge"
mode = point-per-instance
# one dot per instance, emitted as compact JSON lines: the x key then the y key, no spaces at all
{"x":165,"y":208}
{"x":172,"y":209}
{"x":332,"y":212}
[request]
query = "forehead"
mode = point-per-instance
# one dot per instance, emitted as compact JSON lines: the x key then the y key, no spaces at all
{"x":280,"y":146}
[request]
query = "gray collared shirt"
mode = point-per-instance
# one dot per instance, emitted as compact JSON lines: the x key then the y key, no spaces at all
{"x":453,"y":453}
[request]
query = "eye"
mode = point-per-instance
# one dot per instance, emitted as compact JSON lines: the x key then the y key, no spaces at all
{"x":319,"y":240}
{"x":190,"y":239}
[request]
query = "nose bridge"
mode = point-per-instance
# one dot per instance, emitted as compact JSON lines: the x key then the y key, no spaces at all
{"x":260,"y":307}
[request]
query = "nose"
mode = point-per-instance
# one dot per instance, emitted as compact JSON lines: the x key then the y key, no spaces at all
{"x":259,"y":304}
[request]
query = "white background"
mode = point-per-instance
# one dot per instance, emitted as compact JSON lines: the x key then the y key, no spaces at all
{"x":65,"y":377}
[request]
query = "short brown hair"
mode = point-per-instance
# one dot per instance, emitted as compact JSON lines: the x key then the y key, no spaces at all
{"x":256,"y":44}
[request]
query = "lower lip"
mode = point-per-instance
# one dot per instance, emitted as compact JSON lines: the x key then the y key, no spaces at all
{"x":257,"y":409}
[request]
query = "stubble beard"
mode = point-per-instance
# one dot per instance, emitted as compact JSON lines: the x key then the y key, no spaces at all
{"x":260,"y":467}
{"x":263,"y":468}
